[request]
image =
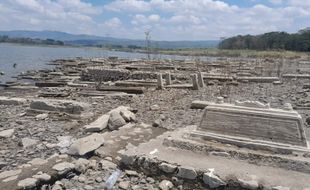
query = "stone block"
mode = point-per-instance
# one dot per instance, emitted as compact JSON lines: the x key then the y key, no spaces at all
{"x":66,"y":106}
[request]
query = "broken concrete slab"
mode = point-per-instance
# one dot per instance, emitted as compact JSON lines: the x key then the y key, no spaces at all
{"x":86,"y":144}
{"x":67,"y":106}
{"x":12,"y":101}
{"x":9,"y":173}
{"x":99,"y":124}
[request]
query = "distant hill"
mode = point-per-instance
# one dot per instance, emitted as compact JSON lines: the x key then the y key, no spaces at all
{"x":89,"y":40}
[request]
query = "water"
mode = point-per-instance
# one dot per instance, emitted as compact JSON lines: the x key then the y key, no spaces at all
{"x":36,"y":57}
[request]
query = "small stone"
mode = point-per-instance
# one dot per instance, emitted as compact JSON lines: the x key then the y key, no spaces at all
{"x":28,"y":142}
{"x":37,"y":162}
{"x":6,"y":133}
{"x":88,"y":187}
{"x":27,"y":183}
{"x":157,"y":123}
{"x":165,"y":185}
{"x":155,"y":107}
{"x":105,"y":164}
{"x":98,"y":179}
{"x":223,"y":154}
{"x":150,"y":180}
{"x":124,"y":185}
{"x":131,"y":173}
{"x":42,"y":177}
{"x":251,"y":184}
{"x":63,"y":167}
{"x":41,"y":116}
{"x":81,"y":165}
{"x":81,"y":179}
{"x":128,"y":115}
{"x":212,"y":180}
{"x":187,"y":172}
{"x":280,"y":188}
{"x":167,"y":168}
{"x":57,"y":187}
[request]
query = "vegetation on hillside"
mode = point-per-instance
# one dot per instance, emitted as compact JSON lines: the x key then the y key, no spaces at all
{"x":270,"y":41}
{"x":6,"y":39}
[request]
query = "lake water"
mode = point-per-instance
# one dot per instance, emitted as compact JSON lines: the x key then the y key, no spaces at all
{"x":37,"y":57}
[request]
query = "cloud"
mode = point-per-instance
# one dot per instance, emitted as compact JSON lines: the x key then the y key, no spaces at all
{"x":128,"y":5}
{"x":167,"y":19}
{"x":113,"y":22}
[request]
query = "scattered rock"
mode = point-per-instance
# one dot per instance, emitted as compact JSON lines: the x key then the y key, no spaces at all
{"x":28,"y":142}
{"x":165,"y":185}
{"x":116,"y":120}
{"x":87,"y":144}
{"x":63,"y":167}
{"x":6,"y":133}
{"x":155,"y":107}
{"x":98,"y":125}
{"x":124,"y":185}
{"x":187,"y":172}
{"x":42,"y":176}
{"x":280,"y":188}
{"x":105,"y":164}
{"x":212,"y":180}
{"x":37,"y":161}
{"x":41,"y":116}
{"x":81,"y":165}
{"x":223,"y":154}
{"x":167,"y":168}
{"x":157,"y":123}
{"x":98,"y":179}
{"x":128,"y":115}
{"x":131,"y":173}
{"x":251,"y":184}
{"x":27,"y":183}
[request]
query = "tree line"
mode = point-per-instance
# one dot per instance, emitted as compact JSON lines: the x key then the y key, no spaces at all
{"x":270,"y":41}
{"x":7,"y":39}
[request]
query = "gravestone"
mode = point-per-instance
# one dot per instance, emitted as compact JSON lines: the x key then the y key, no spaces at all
{"x":252,"y":122}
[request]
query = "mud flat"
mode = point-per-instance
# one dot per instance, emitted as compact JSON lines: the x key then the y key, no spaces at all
{"x":151,"y":125}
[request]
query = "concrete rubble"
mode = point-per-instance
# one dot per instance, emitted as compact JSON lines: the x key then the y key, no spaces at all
{"x":220,"y":123}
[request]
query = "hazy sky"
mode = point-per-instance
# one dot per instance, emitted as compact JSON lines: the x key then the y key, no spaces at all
{"x":166,"y":19}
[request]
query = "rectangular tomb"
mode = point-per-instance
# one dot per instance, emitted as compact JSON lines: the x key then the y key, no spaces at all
{"x":252,"y":122}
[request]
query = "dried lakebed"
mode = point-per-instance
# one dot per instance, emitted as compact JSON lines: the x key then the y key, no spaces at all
{"x":68,"y":133}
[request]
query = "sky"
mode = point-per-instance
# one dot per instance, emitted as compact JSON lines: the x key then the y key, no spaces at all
{"x":165,"y":19}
